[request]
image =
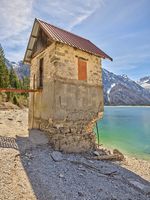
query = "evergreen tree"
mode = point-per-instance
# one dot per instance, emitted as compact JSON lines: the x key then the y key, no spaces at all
{"x":13,"y":79}
{"x":25,"y":85}
{"x":25,"y":82}
{"x":9,"y":79}
{"x":4,"y":74}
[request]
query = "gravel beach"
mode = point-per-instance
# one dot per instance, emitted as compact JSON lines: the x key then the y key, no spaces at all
{"x":30,"y":170}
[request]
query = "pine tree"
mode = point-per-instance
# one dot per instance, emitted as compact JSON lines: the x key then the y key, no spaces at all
{"x":4,"y":74}
{"x":25,"y":85}
{"x":26,"y":82}
{"x":9,"y":79}
{"x":13,"y":79}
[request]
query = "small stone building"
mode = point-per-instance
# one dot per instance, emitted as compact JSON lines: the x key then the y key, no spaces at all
{"x":66,"y":71}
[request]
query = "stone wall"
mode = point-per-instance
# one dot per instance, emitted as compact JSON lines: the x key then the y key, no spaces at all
{"x":67,"y":65}
{"x":68,"y":136}
{"x":66,"y":108}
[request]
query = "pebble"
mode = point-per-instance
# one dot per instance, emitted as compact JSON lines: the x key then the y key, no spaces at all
{"x":91,"y":161}
{"x":10,"y":119}
{"x":61,"y":176}
{"x":96,"y":153}
{"x":80,"y":194}
{"x":80,"y":174}
{"x":57,"y":156}
{"x":83,"y":169}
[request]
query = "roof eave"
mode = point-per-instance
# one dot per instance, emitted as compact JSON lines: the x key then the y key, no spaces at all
{"x":32,"y":36}
{"x":25,"y":60}
{"x":103,"y":57}
{"x":109,"y":58}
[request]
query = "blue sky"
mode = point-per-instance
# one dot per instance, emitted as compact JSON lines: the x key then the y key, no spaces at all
{"x":121,"y":28}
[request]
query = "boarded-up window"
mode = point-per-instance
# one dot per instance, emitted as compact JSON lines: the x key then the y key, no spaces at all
{"x":41,"y":73}
{"x":82,"y":69}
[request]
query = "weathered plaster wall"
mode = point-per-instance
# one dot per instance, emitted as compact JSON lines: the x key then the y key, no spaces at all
{"x":66,"y":106}
{"x":77,"y":101}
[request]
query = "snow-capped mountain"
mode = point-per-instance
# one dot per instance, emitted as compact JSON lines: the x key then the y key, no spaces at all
{"x":8,"y":63}
{"x":121,"y":90}
{"x":20,"y":68}
{"x":144,"y":82}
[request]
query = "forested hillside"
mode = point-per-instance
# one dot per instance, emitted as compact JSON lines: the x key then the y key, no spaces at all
{"x":9,"y":79}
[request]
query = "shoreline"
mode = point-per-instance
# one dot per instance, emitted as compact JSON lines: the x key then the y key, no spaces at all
{"x":138,"y":166}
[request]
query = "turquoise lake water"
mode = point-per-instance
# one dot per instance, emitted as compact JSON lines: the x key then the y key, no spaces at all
{"x":127,"y":129}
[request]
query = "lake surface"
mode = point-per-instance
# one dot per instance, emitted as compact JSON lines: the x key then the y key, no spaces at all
{"x":127,"y":129}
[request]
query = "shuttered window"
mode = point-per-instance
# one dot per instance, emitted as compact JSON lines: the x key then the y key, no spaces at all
{"x":82,"y":69}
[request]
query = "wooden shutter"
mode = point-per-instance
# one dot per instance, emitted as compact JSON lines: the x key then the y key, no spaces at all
{"x":82,"y":70}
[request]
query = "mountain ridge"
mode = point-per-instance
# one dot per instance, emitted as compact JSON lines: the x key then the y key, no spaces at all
{"x":121,"y":90}
{"x":22,"y":70}
{"x":145,"y":82}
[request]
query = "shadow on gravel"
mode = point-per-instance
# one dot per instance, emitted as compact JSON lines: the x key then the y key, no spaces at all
{"x":74,"y":177}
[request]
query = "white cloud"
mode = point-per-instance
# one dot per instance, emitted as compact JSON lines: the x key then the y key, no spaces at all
{"x":85,"y":12}
{"x":15,"y":17}
{"x":15,"y":55}
{"x":127,"y":62}
{"x":15,"y":20}
{"x":67,"y":14}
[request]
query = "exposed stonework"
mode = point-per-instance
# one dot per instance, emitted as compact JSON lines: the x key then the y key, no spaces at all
{"x":66,"y":108}
{"x":68,"y":137}
{"x":68,"y":62}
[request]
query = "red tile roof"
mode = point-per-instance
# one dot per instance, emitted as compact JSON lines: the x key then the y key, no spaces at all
{"x":71,"y":39}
